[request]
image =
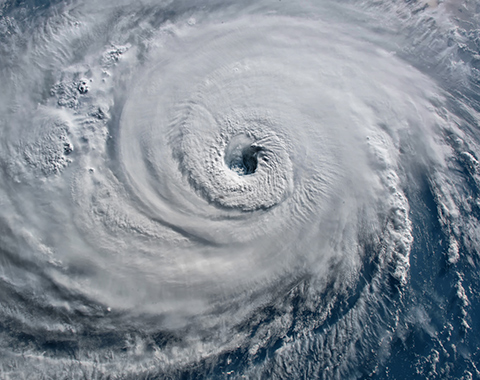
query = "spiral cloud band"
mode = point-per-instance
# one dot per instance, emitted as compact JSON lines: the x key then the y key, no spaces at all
{"x":223,"y":190}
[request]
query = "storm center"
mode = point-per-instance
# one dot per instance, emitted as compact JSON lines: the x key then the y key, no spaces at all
{"x":241,"y":155}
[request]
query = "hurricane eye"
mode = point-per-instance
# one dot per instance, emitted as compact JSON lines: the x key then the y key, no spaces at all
{"x":246,"y":162}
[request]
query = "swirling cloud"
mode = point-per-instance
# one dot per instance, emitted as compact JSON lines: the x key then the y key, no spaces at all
{"x":219,"y":187}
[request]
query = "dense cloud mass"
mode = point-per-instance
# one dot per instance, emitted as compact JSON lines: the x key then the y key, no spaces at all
{"x":227,"y":190}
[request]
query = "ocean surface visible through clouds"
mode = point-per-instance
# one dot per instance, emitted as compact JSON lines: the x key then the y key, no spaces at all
{"x":222,"y":189}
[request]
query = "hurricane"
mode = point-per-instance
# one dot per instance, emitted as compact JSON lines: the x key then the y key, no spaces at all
{"x":239,"y":190}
